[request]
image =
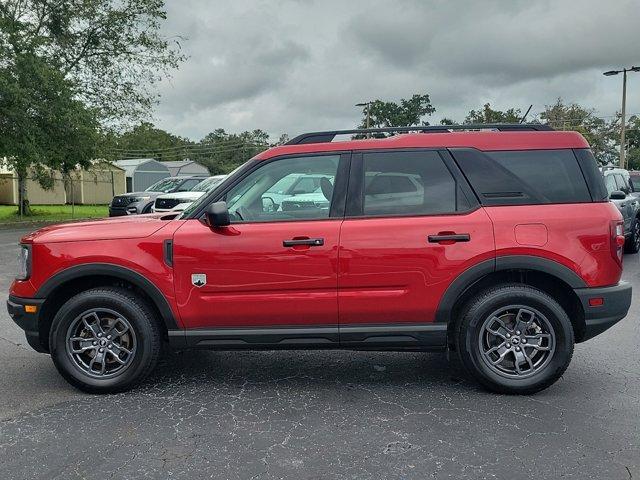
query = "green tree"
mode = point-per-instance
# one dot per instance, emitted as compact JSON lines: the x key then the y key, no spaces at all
{"x":96,"y":58}
{"x":221,"y":152}
{"x":284,"y":138}
{"x":489,"y":115}
{"x":406,"y":113}
{"x":148,"y":141}
{"x":632,"y":138}
{"x":599,"y":133}
{"x":111,"y":50}
{"x":42,"y":125}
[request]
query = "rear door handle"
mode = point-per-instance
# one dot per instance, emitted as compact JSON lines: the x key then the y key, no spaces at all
{"x":450,"y":237}
{"x":312,"y":242}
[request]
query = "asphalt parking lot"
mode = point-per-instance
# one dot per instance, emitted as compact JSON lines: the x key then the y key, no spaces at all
{"x":320,"y":414}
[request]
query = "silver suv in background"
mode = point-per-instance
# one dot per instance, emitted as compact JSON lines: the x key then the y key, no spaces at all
{"x":622,"y":193}
{"x":178,"y":201}
{"x":141,"y":202}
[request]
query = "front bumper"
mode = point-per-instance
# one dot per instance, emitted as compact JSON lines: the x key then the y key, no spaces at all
{"x":616,"y":301}
{"x":27,"y":321}
{"x":117,"y":211}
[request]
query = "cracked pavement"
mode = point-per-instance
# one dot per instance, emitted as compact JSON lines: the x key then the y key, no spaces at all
{"x":320,"y":414}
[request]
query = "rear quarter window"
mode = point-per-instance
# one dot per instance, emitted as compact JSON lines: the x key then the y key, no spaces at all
{"x":524,"y":177}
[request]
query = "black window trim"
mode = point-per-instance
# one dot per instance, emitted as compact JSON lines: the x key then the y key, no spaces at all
{"x":592,"y":175}
{"x":355,"y":195}
{"x":337,"y":206}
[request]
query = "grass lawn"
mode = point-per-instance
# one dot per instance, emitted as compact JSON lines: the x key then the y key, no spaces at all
{"x":44,"y":213}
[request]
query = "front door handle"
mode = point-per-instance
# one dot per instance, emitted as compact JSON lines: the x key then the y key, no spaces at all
{"x":312,"y":242}
{"x":449,"y":237}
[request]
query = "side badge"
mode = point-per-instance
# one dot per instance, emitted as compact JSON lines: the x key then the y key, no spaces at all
{"x":199,"y":279}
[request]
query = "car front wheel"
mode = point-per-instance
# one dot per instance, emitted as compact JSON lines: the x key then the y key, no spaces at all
{"x":515,"y":339}
{"x":105,"y":340}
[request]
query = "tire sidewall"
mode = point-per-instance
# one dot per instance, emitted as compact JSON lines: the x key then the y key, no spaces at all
{"x":527,"y":297}
{"x":139,"y":321}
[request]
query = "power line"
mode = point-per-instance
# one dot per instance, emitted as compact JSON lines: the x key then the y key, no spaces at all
{"x":181,"y":147}
{"x":196,"y":150}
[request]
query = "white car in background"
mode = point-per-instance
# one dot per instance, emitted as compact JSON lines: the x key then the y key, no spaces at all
{"x":178,"y":201}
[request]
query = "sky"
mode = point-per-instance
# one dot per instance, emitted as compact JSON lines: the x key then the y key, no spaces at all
{"x":290,"y":66}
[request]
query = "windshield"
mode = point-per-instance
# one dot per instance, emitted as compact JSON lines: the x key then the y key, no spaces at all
{"x":208,"y":184}
{"x":166,"y":185}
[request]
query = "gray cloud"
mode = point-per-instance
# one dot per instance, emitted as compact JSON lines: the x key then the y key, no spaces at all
{"x":295,"y":65}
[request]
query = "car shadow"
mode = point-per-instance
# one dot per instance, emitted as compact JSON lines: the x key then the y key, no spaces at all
{"x":317,"y":369}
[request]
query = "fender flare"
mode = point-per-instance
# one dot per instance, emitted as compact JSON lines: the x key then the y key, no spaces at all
{"x":508,"y":262}
{"x":116,"y":271}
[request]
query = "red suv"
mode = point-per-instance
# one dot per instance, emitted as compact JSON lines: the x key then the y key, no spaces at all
{"x":498,"y":244}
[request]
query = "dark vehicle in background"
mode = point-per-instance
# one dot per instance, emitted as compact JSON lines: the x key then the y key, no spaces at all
{"x":135,"y":203}
{"x":622,"y":193}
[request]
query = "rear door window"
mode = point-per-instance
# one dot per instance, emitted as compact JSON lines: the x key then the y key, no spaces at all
{"x":409,"y":183}
{"x":524,"y":177}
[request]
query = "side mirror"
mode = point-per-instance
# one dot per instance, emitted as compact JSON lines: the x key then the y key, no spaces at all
{"x":618,"y":195}
{"x":218,"y":215}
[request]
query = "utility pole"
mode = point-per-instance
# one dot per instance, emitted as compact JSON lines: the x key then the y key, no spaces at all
{"x":368,"y":105}
{"x":623,"y":127}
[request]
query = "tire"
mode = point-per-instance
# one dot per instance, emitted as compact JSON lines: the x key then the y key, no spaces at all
{"x":113,"y":321}
{"x":147,"y":209}
{"x":632,"y":244}
{"x":547,"y":339}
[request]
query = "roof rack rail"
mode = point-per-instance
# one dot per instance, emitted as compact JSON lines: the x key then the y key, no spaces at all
{"x":328,"y":136}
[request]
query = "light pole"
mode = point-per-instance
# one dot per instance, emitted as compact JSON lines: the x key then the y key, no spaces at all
{"x":624,"y":106}
{"x":368,"y":105}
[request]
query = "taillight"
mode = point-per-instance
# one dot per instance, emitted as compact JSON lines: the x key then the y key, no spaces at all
{"x":617,"y":240}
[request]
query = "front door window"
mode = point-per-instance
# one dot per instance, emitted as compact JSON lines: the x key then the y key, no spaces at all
{"x":299,"y":188}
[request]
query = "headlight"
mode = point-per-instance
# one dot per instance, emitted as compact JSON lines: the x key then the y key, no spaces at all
{"x":140,"y":199}
{"x":24,"y":262}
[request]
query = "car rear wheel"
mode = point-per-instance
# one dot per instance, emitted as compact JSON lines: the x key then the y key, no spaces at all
{"x":632,"y":243}
{"x":515,"y":339}
{"x":105,"y":340}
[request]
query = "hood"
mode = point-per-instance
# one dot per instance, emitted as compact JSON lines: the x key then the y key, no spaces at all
{"x":134,"y":226}
{"x":192,"y":195}
{"x":141,"y":194}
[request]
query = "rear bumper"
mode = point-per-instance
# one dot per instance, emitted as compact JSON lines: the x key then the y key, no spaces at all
{"x":615,"y":305}
{"x":27,"y":321}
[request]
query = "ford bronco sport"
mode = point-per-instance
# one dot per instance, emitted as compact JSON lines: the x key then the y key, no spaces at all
{"x":499,"y":245}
